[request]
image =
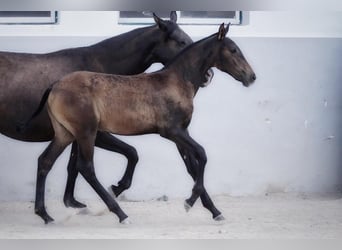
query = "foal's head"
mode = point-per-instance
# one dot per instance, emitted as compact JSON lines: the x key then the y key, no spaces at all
{"x":174,"y":39}
{"x":231,"y":59}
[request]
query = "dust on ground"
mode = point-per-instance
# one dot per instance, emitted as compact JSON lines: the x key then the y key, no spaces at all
{"x":276,"y":216}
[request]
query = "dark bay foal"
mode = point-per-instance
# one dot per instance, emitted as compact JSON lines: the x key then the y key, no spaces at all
{"x":83,"y":103}
{"x":25,"y":77}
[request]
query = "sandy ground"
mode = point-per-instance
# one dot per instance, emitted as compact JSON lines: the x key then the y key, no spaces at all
{"x":276,"y":216}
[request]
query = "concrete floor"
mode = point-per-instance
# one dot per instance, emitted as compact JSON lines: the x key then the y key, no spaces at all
{"x":276,"y":216}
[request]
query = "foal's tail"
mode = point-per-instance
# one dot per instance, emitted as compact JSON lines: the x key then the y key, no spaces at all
{"x":23,"y":126}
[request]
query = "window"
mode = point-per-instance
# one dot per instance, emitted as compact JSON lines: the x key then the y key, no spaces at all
{"x":184,"y":17}
{"x":28,"y":17}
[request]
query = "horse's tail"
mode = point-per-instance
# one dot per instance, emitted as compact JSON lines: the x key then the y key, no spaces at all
{"x":23,"y":126}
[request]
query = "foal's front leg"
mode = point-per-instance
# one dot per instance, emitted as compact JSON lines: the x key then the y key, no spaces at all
{"x":190,"y":163}
{"x":183,"y":140}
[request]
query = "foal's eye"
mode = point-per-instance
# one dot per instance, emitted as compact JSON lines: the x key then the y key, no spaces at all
{"x":182,"y":43}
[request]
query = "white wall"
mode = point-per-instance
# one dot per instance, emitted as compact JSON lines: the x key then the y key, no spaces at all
{"x":255,"y":23}
{"x":280,"y":135}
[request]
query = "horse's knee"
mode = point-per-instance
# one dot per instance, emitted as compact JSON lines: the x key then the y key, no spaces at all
{"x":132,"y":155}
{"x":86,"y":168}
{"x":44,"y":165}
{"x":201,"y":156}
{"x":198,"y":189}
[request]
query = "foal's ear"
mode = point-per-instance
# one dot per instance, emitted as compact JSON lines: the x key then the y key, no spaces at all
{"x":173,"y":16}
{"x":160,"y":22}
{"x":222,"y":32}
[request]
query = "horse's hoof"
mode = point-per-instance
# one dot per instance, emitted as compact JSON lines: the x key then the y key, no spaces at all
{"x":126,"y":221}
{"x":44,"y":215}
{"x":48,"y":220}
{"x":116,"y":190}
{"x":187,"y":206}
{"x":74,"y":204}
{"x":220,"y":217}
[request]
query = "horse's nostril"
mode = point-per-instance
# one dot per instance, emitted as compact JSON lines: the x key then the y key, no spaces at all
{"x":253,"y":77}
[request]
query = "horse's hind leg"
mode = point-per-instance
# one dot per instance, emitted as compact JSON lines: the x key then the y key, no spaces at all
{"x":109,"y":142}
{"x":69,"y":198}
{"x":45,"y":163}
{"x":86,"y":167}
{"x":190,"y":161}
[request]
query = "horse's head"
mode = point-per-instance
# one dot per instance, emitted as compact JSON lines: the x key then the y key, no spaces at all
{"x":231,"y":59}
{"x":173,"y":39}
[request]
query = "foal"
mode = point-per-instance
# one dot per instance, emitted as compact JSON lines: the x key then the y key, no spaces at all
{"x":82,"y":103}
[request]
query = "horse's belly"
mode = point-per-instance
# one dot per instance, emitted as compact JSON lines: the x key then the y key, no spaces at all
{"x":12,"y":115}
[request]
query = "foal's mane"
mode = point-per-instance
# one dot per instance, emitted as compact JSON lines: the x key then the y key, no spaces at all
{"x":189,"y":47}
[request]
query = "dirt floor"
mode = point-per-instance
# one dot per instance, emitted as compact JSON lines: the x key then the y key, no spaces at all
{"x":276,"y":216}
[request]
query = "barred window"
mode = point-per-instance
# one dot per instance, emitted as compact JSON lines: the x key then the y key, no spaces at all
{"x":184,"y":17}
{"x":28,"y":17}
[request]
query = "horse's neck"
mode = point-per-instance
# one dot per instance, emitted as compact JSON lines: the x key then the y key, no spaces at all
{"x":193,"y":64}
{"x":126,"y":54}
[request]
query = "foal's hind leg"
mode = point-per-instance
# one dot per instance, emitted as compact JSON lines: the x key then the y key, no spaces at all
{"x":86,"y":167}
{"x":45,"y":163}
{"x":106,"y":141}
{"x":69,"y":198}
{"x":190,"y":161}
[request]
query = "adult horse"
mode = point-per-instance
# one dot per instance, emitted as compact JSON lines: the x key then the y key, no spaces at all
{"x":24,"y":78}
{"x":83,"y":103}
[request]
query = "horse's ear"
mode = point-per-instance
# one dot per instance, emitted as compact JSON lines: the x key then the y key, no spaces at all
{"x":173,"y":16}
{"x":160,"y":22}
{"x":227,"y":28}
{"x":222,"y":32}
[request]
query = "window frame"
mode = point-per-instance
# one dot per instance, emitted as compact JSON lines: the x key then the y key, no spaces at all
{"x":183,"y":20}
{"x":35,"y":20}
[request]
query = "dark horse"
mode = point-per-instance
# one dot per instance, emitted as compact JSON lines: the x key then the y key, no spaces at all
{"x":83,"y":103}
{"x":24,"y":78}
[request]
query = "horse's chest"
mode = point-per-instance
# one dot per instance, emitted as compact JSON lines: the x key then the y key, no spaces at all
{"x":175,"y":111}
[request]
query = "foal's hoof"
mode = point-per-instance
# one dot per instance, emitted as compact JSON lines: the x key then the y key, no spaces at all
{"x":74,"y":203}
{"x":220,"y":217}
{"x":126,"y":221}
{"x":187,"y":206}
{"x":116,"y":190}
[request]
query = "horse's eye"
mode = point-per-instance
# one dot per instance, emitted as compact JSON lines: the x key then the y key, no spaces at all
{"x":182,"y":43}
{"x":233,"y":50}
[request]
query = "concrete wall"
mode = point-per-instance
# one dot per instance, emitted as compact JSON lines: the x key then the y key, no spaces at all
{"x":280,"y":135}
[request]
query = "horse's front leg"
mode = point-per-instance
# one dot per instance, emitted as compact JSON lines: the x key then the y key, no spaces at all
{"x":183,"y":140}
{"x":190,"y":160}
{"x":107,"y":141}
{"x":69,"y":198}
{"x":45,"y":163}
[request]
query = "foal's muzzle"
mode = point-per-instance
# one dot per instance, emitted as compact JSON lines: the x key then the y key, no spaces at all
{"x":249,"y":80}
